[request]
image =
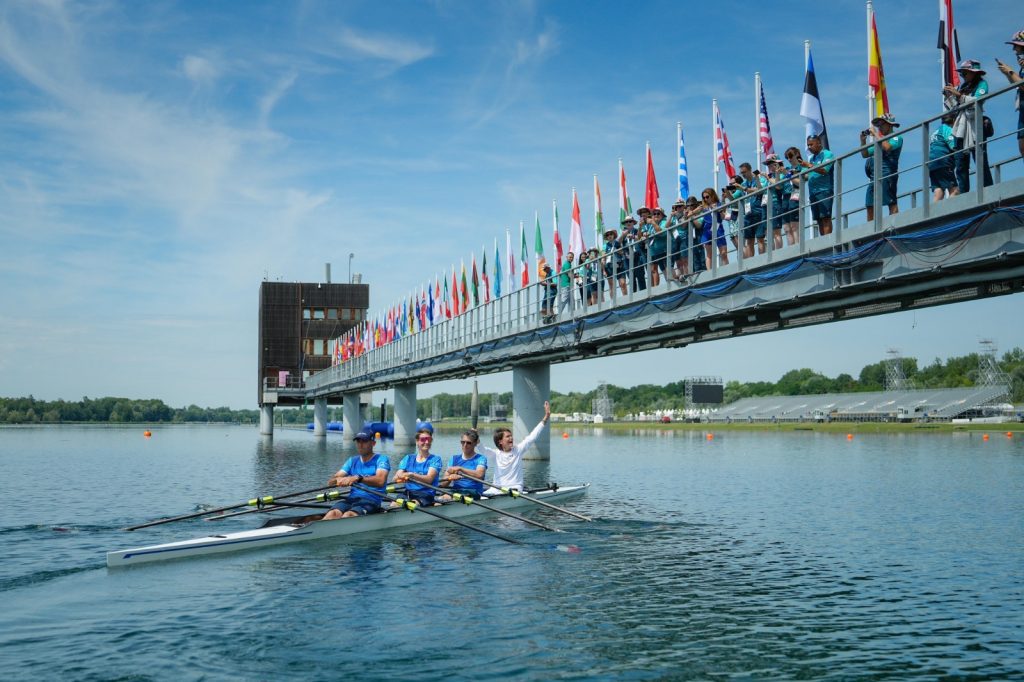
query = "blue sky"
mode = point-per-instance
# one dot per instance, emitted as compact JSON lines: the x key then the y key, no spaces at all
{"x":161,"y":158}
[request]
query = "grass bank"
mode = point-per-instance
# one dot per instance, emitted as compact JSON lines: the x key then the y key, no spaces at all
{"x":833,"y":427}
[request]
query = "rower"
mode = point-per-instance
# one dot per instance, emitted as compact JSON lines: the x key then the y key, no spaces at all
{"x":420,"y":467}
{"x":367,"y":469}
{"x":509,"y":457}
{"x":466,"y":462}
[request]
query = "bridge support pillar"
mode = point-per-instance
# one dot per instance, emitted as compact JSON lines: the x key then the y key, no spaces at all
{"x":405,"y":415}
{"x":351,"y":419}
{"x":267,"y":420}
{"x":320,"y":417}
{"x":531,"y":386}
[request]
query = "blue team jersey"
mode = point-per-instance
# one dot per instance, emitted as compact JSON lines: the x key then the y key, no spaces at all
{"x":355,"y":466}
{"x":816,"y":182}
{"x":464,"y":484}
{"x":410,"y":464}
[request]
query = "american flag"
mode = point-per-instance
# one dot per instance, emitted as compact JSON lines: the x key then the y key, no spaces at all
{"x":722,"y":152}
{"x":764,"y":128}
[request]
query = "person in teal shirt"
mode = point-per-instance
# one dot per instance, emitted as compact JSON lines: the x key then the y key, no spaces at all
{"x":941,"y":150}
{"x":882,"y":126}
{"x":565,"y":283}
{"x":820,"y":187}
{"x":971,"y":88}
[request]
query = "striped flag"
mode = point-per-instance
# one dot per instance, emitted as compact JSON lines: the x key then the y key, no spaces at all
{"x":486,"y":279}
{"x":524,"y":257}
{"x":684,"y":180}
{"x":464,"y":288}
{"x":764,"y":127}
{"x":558,"y":240}
{"x":576,"y":244}
{"x":810,"y":105}
{"x":446,"y":306}
{"x":538,"y":247}
{"x":456,"y":309}
{"x":598,"y":215}
{"x":723,"y":154}
{"x":497,"y":270}
{"x":625,"y":208}
{"x":474,"y":284}
{"x":652,"y":198}
{"x":876,"y":74}
{"x":511,"y":272}
{"x":948,"y":44}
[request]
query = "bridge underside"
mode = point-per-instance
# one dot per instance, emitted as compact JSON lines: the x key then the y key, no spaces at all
{"x":961,"y":252}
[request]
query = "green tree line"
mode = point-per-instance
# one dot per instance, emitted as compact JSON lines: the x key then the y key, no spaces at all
{"x":114,"y":410}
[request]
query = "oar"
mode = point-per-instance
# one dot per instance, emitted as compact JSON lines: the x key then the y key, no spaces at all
{"x":257,"y":502}
{"x":515,"y":493}
{"x":468,"y":499}
{"x":333,"y":495}
{"x":414,"y":507}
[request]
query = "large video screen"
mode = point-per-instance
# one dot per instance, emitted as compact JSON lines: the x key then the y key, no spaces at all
{"x":708,"y":394}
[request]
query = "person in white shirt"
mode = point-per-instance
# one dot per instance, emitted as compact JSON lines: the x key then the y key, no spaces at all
{"x":508,"y":456}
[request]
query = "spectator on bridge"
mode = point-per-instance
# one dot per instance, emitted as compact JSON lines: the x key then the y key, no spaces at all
{"x":755,"y":227}
{"x":1017,"y":42}
{"x":677,"y":226}
{"x":820,"y":187}
{"x":712,"y":222}
{"x":654,"y":239}
{"x":565,"y":283}
{"x":941,"y":152}
{"x":791,"y":213}
{"x":693,"y":210}
{"x":733,"y":192}
{"x":595,"y":284}
{"x":549,"y":291}
{"x":972,"y":87}
{"x":639,"y":250}
{"x":882,"y":126}
{"x":614,"y":261}
{"x":780,"y":192}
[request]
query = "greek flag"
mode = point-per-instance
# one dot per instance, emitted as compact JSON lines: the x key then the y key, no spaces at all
{"x":684,"y":181}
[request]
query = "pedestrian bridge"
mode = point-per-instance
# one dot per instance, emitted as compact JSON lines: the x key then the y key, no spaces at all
{"x":930,"y":253}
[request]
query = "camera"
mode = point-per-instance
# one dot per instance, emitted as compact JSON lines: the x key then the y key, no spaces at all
{"x":865,"y":132}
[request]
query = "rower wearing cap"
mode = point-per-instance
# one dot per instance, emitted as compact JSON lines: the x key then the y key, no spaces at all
{"x":367,"y":469}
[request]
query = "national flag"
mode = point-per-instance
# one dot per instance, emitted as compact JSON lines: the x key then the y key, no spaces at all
{"x":538,"y":247}
{"x":598,"y":215}
{"x":446,"y":307}
{"x":652,"y":198}
{"x":486,"y":278}
{"x":810,"y":105}
{"x":684,"y":179}
{"x":876,"y":74}
{"x":723,"y":154}
{"x":423,"y":309}
{"x":524,"y":256}
{"x":456,"y":303}
{"x":511,"y":271}
{"x":436,"y":311}
{"x":576,"y":244}
{"x":948,"y":45}
{"x":497,"y":271}
{"x":464,"y":288}
{"x":557,"y":239}
{"x":625,"y":208}
{"x":764,"y":127}
{"x":474,"y":284}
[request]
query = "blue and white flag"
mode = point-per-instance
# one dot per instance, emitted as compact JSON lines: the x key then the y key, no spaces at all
{"x":684,"y":181}
{"x":810,"y":105}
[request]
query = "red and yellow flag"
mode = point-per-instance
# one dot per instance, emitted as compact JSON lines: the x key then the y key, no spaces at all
{"x":876,"y":74}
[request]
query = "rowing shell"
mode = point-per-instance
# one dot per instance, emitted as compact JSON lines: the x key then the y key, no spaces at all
{"x":281,"y":534}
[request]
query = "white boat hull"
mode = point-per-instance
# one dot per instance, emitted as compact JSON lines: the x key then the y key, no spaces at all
{"x":279,"y":535}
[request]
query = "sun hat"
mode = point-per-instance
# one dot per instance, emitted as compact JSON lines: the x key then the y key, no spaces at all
{"x":972,"y":65}
{"x":773,"y":158}
{"x":679,"y":202}
{"x":1016,"y":39}
{"x":628,"y":219}
{"x":611,"y":232}
{"x":642,"y":210}
{"x":886,"y":118}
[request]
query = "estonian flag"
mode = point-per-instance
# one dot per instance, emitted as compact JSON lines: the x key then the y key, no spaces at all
{"x":810,"y":105}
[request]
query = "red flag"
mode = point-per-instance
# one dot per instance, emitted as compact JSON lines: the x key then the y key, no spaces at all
{"x":455,"y":295}
{"x":651,"y":196}
{"x":876,"y":74}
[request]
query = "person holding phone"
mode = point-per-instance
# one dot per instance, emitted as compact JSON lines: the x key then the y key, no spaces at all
{"x":1017,"y":42}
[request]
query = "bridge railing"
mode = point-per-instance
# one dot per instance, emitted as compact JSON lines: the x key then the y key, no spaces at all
{"x":624,"y":275}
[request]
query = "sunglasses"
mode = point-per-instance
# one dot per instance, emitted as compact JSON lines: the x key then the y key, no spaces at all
{"x":425,"y":439}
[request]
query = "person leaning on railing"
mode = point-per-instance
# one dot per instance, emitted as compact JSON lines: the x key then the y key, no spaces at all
{"x":941,"y":152}
{"x":614,"y":261}
{"x":712,"y":218}
{"x":677,"y":226}
{"x":891,"y":150}
{"x":820,"y":186}
{"x":972,"y":87}
{"x":1017,"y":42}
{"x":693,"y":211}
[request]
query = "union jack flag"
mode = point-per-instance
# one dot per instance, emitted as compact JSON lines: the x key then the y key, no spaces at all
{"x":722,"y":152}
{"x":764,"y":128}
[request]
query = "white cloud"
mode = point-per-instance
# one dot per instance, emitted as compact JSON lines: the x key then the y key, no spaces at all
{"x":200,"y":70}
{"x":399,"y":51}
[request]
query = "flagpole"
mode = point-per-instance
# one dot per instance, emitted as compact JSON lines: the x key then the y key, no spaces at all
{"x":807,"y":58}
{"x":758,"y":149}
{"x":714,"y":141}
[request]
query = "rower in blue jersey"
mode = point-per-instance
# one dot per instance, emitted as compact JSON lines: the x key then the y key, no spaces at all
{"x":368,"y":469}
{"x":466,"y":462}
{"x":420,"y":467}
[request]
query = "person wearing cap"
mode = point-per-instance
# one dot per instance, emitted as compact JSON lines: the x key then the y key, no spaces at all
{"x":781,"y":190}
{"x":711,"y":224}
{"x":677,"y":226}
{"x":565,"y":282}
{"x":791,"y":207}
{"x":694,"y":209}
{"x":1017,"y":43}
{"x":653,"y":234}
{"x":614,"y":260}
{"x":418,"y":468}
{"x":595,"y":283}
{"x":941,"y":152}
{"x":366,"y":469}
{"x":882,"y":126}
{"x":549,"y":287}
{"x":820,"y":186}
{"x":508,"y":455}
{"x":754,"y":227}
{"x":972,"y":87}
{"x":638,"y":250}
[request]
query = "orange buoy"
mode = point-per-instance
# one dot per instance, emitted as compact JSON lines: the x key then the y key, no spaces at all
{"x":711,"y":436}
{"x":849,"y":436}
{"x":1009,"y":434}
{"x":147,"y":434}
{"x":565,"y":434}
{"x":376,"y":436}
{"x":985,"y":437}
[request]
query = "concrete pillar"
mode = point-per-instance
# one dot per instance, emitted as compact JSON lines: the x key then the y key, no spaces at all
{"x":267,"y":420}
{"x":405,"y":415}
{"x":531,"y":386}
{"x":352,"y":420}
{"x":320,"y":417}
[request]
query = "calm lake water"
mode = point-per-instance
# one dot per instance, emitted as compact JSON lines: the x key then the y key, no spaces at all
{"x":752,"y":555}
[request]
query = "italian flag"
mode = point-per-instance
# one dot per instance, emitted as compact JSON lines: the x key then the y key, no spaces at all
{"x":598,"y":216}
{"x":524,"y":257}
{"x":558,"y":240}
{"x":485,"y":277}
{"x":538,"y":247}
{"x":474,"y":284}
{"x":576,"y":245}
{"x":624,"y":206}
